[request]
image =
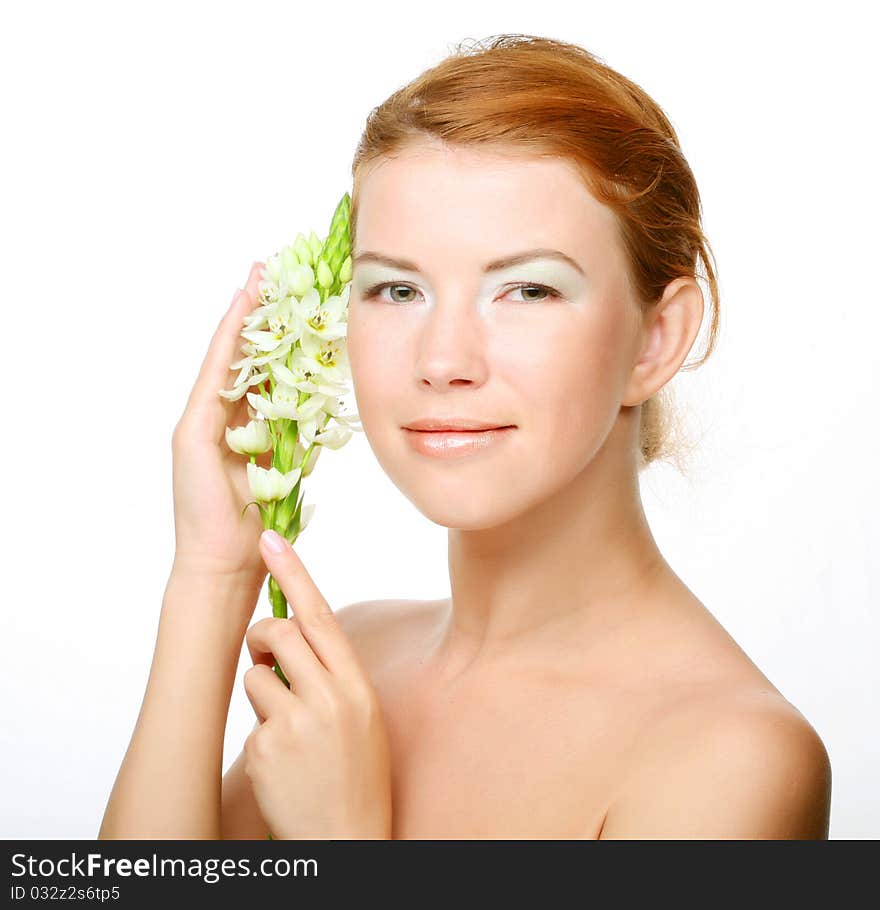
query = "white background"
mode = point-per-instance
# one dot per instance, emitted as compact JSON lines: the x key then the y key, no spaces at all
{"x":152,"y":152}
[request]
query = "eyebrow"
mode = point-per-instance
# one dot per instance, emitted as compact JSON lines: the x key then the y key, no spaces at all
{"x":493,"y":266}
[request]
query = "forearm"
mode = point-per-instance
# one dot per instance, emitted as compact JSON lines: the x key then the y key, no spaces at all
{"x":169,"y":783}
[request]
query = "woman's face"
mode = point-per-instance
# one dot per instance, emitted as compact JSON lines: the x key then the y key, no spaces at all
{"x":446,"y":338}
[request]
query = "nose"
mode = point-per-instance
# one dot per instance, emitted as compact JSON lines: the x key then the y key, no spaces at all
{"x":452,"y":346}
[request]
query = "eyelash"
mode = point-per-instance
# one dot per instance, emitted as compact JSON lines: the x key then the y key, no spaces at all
{"x":372,"y":292}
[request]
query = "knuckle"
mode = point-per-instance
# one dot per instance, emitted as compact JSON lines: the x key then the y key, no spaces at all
{"x":256,"y":746}
{"x":250,"y":676}
{"x":364,"y":705}
{"x":259,"y":630}
{"x":250,"y":757}
{"x":323,"y":617}
{"x":365,"y":699}
{"x":287,"y":630}
{"x":330,"y":706}
{"x":290,"y":725}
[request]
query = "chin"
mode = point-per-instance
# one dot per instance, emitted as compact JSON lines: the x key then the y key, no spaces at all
{"x":464,"y":516}
{"x":479,"y":504}
{"x":473,"y":494}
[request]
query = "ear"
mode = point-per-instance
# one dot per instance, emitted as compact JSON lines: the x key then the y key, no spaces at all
{"x":671,"y":327}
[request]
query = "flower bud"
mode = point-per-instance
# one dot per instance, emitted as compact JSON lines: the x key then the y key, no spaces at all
{"x":316,"y":245}
{"x":309,"y":466}
{"x":253,"y":439}
{"x":301,"y":279}
{"x":345,"y":269}
{"x":305,"y":516}
{"x":325,"y":276}
{"x":289,"y":259}
{"x":303,"y":250}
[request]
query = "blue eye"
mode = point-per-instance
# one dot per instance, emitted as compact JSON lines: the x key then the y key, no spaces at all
{"x":551,"y":293}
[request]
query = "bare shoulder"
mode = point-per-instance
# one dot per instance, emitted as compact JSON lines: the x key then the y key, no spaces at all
{"x":376,"y":627}
{"x":366,"y":615}
{"x":745,"y":764}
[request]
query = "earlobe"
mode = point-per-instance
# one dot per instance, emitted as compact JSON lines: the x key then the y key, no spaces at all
{"x":672,"y":328}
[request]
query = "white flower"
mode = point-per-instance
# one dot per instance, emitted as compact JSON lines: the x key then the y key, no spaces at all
{"x":290,"y":270}
{"x":308,"y":428}
{"x":327,"y":319}
{"x":253,"y":439}
{"x":272,"y":484}
{"x":301,"y":279}
{"x":326,"y":360}
{"x":239,"y":389}
{"x":299,"y":457}
{"x":309,"y":466}
{"x":313,"y":406}
{"x":296,"y":377}
{"x":353,"y":421}
{"x":270,"y":290}
{"x":305,"y":516}
{"x":333,"y":407}
{"x":312,"y":417}
{"x":281,"y":326}
{"x":294,"y":358}
{"x":333,"y":437}
{"x":283,"y":402}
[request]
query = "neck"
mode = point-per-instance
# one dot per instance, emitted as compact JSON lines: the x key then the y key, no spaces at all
{"x":565,"y":575}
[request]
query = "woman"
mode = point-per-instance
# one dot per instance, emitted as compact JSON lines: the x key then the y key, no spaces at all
{"x":526,"y":234}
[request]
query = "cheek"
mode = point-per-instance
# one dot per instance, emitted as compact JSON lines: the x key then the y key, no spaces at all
{"x":569,"y":383}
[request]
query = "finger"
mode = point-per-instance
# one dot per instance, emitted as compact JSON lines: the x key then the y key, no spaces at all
{"x":266,"y":693}
{"x":316,"y":620}
{"x":206,"y":412}
{"x":275,"y":639}
{"x":252,"y":285}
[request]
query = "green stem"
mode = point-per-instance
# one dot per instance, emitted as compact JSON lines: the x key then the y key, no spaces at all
{"x":279,"y":609}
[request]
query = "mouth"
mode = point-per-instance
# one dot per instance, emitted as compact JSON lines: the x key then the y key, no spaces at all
{"x":453,"y":425}
{"x":454,"y":443}
{"x":459,"y":429}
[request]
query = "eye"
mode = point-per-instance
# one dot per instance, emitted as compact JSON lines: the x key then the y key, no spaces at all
{"x":372,"y":292}
{"x":551,"y":293}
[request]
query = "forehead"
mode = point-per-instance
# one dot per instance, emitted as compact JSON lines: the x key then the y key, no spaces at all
{"x":485,"y":201}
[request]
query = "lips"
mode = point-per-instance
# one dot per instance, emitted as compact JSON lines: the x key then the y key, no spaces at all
{"x":456,"y":443}
{"x":452,"y":425}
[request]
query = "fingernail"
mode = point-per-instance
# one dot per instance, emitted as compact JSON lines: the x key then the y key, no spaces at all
{"x":274,"y":541}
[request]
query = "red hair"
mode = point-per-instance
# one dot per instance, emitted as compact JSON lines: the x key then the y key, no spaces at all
{"x":543,"y":97}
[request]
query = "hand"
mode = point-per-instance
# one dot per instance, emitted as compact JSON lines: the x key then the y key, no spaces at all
{"x":209,"y":479}
{"x":319,"y":762}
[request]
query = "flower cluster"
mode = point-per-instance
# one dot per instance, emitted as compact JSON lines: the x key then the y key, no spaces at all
{"x":295,"y":370}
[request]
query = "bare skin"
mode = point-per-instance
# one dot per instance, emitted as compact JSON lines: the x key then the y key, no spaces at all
{"x":571,"y":685}
{"x":516,"y":748}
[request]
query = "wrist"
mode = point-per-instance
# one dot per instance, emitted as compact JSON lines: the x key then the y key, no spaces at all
{"x":185,"y":571}
{"x":211,"y":595}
